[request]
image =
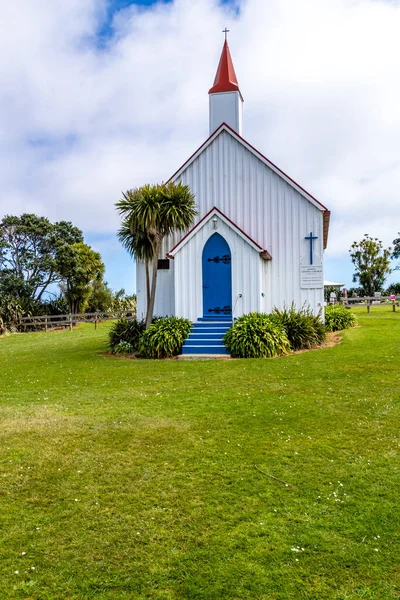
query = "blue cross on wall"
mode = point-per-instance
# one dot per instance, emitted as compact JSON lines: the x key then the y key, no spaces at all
{"x":311,"y":237}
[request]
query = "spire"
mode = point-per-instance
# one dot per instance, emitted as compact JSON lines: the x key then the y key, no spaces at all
{"x":225,"y":78}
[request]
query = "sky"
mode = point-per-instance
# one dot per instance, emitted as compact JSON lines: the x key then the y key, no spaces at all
{"x":100,"y":96}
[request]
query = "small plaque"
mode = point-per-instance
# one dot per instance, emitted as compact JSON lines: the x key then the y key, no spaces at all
{"x":311,"y":276}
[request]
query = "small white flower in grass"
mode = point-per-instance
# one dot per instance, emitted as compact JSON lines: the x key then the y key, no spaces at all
{"x":32,"y":568}
{"x":37,"y":528}
{"x":76,"y":500}
{"x":138,"y":533}
{"x":296,"y":559}
{"x":23,"y":553}
{"x":376,"y":549}
{"x":16,"y":572}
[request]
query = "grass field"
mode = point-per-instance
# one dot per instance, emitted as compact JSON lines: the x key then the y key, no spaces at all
{"x":134,"y":479}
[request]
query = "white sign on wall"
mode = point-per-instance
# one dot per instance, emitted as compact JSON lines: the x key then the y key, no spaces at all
{"x":311,"y":276}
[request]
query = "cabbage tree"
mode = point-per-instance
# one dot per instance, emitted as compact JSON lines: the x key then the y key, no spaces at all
{"x":154,"y":212}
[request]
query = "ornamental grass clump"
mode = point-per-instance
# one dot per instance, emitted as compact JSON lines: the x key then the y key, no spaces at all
{"x":257,"y":335}
{"x":303,"y":328}
{"x":126,"y":331}
{"x":123,"y":348}
{"x":164,"y":338}
{"x":338,"y":317}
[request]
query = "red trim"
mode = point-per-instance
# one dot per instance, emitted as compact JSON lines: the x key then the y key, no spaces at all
{"x":326,"y":217}
{"x":275,"y":167}
{"x":194,"y":153}
{"x":264,"y":253}
{"x":254,"y":150}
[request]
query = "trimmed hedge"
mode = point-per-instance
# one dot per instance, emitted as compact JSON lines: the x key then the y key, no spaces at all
{"x":338,"y":317}
{"x":303,"y":328}
{"x":164,"y":338}
{"x":257,"y":335}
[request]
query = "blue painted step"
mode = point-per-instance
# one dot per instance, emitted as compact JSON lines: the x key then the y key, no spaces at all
{"x":206,"y":336}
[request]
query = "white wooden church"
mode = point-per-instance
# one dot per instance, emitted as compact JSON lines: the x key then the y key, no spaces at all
{"x":259,"y":239}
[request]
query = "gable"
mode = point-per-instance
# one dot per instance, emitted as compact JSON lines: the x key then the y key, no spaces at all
{"x":216,"y":214}
{"x":226,"y":161}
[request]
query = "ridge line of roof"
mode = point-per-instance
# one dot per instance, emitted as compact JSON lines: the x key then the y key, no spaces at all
{"x":257,"y":152}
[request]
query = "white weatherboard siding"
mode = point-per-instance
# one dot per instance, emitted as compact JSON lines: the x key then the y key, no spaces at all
{"x":246,"y":272}
{"x":228,"y":175}
{"x":164,"y":304}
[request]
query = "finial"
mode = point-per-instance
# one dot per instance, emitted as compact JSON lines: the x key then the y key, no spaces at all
{"x":225,"y":31}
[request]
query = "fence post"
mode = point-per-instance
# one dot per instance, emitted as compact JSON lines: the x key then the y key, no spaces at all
{"x":369,"y":305}
{"x":45,"y":323}
{"x":95,"y":321}
{"x":70,"y":321}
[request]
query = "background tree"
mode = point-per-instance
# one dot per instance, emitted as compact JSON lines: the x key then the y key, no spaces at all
{"x":33,"y":254}
{"x":103,"y":298}
{"x":372,"y":263}
{"x":156,"y":211}
{"x":396,"y":250}
{"x":85,"y":267}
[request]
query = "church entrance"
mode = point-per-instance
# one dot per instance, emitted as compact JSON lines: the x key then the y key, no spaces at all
{"x":217,"y":277}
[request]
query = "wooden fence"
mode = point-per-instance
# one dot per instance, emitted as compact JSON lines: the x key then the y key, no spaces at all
{"x":67,"y":321}
{"x":369,"y":301}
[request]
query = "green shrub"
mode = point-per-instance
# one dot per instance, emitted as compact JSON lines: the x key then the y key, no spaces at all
{"x":11,"y":311}
{"x":303,"y":328}
{"x":256,"y":335}
{"x":123,"y":348}
{"x":338,"y":317}
{"x":164,"y":338}
{"x":128,"y":331}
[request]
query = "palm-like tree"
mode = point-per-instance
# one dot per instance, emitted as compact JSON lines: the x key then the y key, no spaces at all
{"x":150,"y":213}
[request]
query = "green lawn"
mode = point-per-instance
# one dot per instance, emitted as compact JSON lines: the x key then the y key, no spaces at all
{"x":137,"y":479}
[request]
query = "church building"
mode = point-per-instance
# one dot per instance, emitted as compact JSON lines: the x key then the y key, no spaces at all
{"x":259,"y":237}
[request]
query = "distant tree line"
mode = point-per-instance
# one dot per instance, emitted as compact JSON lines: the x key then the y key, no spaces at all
{"x":47,"y":268}
{"x":372,"y":264}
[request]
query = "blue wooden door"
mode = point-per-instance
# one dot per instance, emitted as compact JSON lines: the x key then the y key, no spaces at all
{"x":217,"y":277}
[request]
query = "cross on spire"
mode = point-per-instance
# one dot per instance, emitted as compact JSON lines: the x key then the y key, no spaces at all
{"x":225,"y":31}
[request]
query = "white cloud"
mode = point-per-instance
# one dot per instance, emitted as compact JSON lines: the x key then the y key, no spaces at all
{"x":80,"y":123}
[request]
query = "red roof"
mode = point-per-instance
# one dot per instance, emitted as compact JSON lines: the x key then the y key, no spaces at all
{"x":225,"y":79}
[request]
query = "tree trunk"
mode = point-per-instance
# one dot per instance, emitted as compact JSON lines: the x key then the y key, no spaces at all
{"x":146,"y":265}
{"x":150,"y":307}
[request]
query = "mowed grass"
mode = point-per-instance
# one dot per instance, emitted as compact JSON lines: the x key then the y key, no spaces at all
{"x":137,"y":479}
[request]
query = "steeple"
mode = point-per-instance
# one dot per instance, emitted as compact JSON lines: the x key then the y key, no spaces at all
{"x":226,"y":102}
{"x":225,"y":77}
